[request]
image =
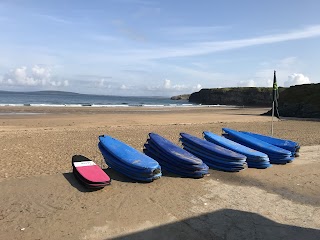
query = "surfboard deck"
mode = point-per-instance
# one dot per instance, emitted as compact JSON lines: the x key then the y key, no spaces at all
{"x":192,"y":148}
{"x":203,"y":156}
{"x":211,"y":147}
{"x":174,"y":160}
{"x":279,"y":142}
{"x":172,"y":150}
{"x":174,"y":169}
{"x":126,"y":170}
{"x":89,"y":172}
{"x":128,"y":155}
{"x":234,"y":146}
{"x":256,"y":144}
{"x":255,"y":159}
{"x":88,"y":184}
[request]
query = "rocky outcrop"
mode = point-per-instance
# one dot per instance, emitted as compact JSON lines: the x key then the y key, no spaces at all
{"x":297,"y":101}
{"x":300,"y":101}
{"x":181,"y":97}
{"x":246,"y":96}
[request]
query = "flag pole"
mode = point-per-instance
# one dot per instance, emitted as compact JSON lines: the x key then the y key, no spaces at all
{"x":274,"y":98}
{"x":272,"y":118}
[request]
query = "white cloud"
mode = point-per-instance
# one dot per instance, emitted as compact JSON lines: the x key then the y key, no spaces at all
{"x":296,"y":79}
{"x":167,"y":84}
{"x":165,"y":88}
{"x":270,"y":82}
{"x":123,"y":87}
{"x":247,"y":83}
{"x":101,"y":83}
{"x":284,"y":67}
{"x":192,"y":30}
{"x":52,"y":18}
{"x":200,"y":48}
{"x":198,"y":87}
{"x":36,"y":76}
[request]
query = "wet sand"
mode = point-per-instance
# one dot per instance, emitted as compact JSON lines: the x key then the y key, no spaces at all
{"x":40,"y":199}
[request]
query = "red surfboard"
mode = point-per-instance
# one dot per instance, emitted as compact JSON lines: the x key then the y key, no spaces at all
{"x":89,"y":173}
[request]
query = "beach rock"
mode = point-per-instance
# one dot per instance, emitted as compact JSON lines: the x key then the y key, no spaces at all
{"x":181,"y":97}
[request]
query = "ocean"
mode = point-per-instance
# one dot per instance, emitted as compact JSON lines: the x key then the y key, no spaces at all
{"x":68,"y":99}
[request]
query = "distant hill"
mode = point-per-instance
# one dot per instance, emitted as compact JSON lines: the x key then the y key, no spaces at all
{"x":43,"y":92}
{"x":56,"y":92}
{"x":181,"y":97}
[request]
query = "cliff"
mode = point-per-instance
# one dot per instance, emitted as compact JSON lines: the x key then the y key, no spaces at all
{"x":297,"y":101}
{"x":244,"y":96}
{"x":300,"y":101}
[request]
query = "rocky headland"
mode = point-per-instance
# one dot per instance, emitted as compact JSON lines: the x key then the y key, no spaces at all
{"x":300,"y":101}
{"x":295,"y":101}
{"x":240,"y":96}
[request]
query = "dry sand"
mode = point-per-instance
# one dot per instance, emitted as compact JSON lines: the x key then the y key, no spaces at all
{"x":40,"y":199}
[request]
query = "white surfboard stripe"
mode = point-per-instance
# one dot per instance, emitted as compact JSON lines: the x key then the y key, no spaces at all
{"x":84,"y":164}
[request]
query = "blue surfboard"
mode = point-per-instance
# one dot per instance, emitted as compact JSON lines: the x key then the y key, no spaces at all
{"x":282,"y":143}
{"x":111,"y":160}
{"x":234,"y":146}
{"x":255,"y":159}
{"x":175,"y":169}
{"x":114,"y":164}
{"x":272,"y":151}
{"x":174,"y":161}
{"x":192,"y":149}
{"x":259,"y":165}
{"x":127,"y":160}
{"x":173,"y":158}
{"x":127,"y":154}
{"x":174,"y":151}
{"x":211,"y":147}
{"x":217,"y":165}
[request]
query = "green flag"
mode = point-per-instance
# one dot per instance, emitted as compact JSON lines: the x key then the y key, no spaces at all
{"x":275,"y":95}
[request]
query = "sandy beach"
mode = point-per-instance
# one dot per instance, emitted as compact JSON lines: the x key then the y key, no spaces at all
{"x":40,"y":199}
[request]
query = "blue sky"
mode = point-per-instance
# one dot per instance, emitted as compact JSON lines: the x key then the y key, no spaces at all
{"x":148,"y":47}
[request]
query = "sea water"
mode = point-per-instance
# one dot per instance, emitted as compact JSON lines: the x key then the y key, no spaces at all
{"x":68,"y":99}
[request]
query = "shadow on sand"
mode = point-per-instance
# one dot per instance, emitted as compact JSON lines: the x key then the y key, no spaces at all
{"x":76,"y":184}
{"x":114,"y":175}
{"x":226,"y":224}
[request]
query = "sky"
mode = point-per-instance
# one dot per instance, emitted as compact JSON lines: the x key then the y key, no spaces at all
{"x":157,"y":47}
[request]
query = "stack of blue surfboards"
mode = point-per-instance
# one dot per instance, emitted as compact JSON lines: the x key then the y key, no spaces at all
{"x":128,"y":161}
{"x":276,"y":155}
{"x":173,"y":158}
{"x":213,"y":155}
{"x":255,"y":159}
{"x":292,"y":146}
